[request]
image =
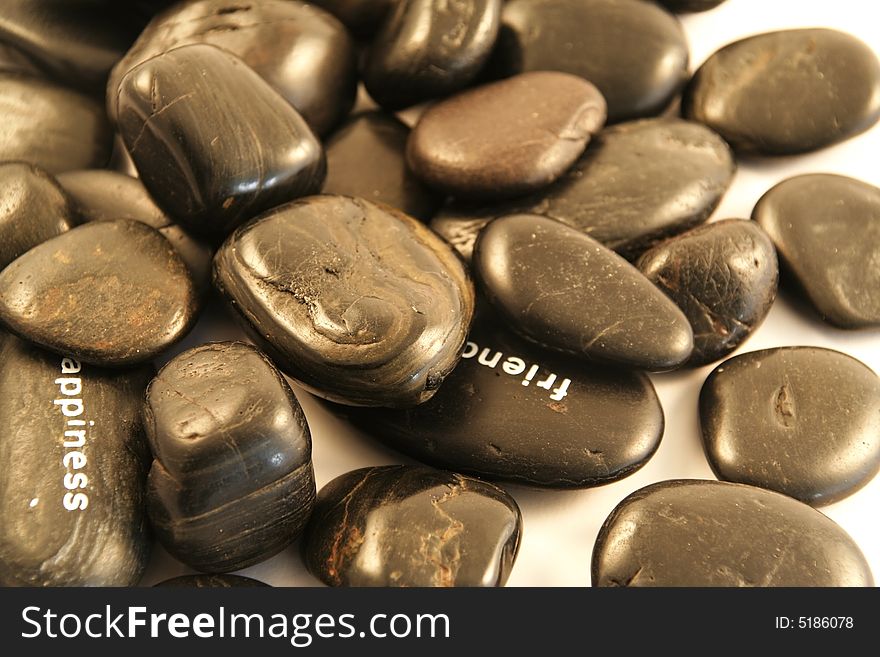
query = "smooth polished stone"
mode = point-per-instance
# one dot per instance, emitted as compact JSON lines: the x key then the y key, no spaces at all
{"x":635,"y":52}
{"x":723,"y":276}
{"x":111,"y":293}
{"x":33,"y":209}
{"x":826,"y":229}
{"x":427,"y":49}
{"x":232,"y":482}
{"x":563,"y":290}
{"x":304,"y":53}
{"x":362,"y":17}
{"x":211,"y":582}
{"x":403,"y":525}
{"x":507,"y":138}
{"x":366,"y":157}
{"x":100,"y":195}
{"x":513,"y":412}
{"x":713,"y":533}
{"x":213,"y":143}
{"x":687,"y":6}
{"x":804,"y":421}
{"x":55,"y":128}
{"x":74,"y":464}
{"x":359,"y":303}
{"x":787,"y":92}
{"x":636,"y":184}
{"x":13,"y":60}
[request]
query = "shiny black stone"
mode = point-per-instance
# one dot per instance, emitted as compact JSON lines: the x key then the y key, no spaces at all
{"x":723,"y":276}
{"x":787,"y":92}
{"x":512,"y":412}
{"x":804,"y":421}
{"x":232,"y":481}
{"x":635,"y":52}
{"x":358,"y":302}
{"x":827,"y":231}
{"x":211,"y":582}
{"x":427,"y":50}
{"x":636,"y":184}
{"x":563,"y":290}
{"x":53,"y":127}
{"x":687,"y":6}
{"x":366,"y":158}
{"x":213,"y":143}
{"x":33,"y":208}
{"x":412,"y":526}
{"x":74,"y":464}
{"x":712,"y":533}
{"x":300,"y":50}
{"x":112,"y":293}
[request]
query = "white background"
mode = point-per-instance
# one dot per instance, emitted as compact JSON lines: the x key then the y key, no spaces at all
{"x":561,"y":527}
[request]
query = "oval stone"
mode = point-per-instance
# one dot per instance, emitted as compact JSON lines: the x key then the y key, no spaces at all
{"x":803,"y":421}
{"x":362,"y":17}
{"x":563,"y":290}
{"x":99,"y":195}
{"x":507,"y":138}
{"x":366,"y":157}
{"x":827,"y":231}
{"x":359,"y":303}
{"x":74,"y":463}
{"x":231,"y":482}
{"x":636,"y":184}
{"x":300,"y":50}
{"x":687,"y":6}
{"x":512,"y":412}
{"x":427,"y":49}
{"x":412,"y":526}
{"x":211,"y":582}
{"x":55,"y":128}
{"x":635,"y":52}
{"x":111,"y":293}
{"x":33,"y":208}
{"x":723,"y":276}
{"x":787,"y":92}
{"x":183,"y":112}
{"x":712,"y":533}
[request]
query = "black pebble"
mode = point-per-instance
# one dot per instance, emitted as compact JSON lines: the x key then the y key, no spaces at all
{"x":211,"y":582}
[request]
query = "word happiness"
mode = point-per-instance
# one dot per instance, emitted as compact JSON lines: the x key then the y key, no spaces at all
{"x":74,"y":459}
{"x":515,"y":366}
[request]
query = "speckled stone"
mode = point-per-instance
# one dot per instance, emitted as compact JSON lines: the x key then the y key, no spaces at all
{"x":359,"y":303}
{"x":787,"y":92}
{"x":723,"y":276}
{"x":712,"y":533}
{"x":74,"y":464}
{"x":826,"y":229}
{"x":803,"y":421}
{"x":412,"y":526}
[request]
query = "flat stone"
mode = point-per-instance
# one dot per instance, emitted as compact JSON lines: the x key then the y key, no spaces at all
{"x":359,"y":303}
{"x":304,"y":53}
{"x":803,"y":421}
{"x":787,"y":92}
{"x":426,"y":50}
{"x":231,"y":482}
{"x":512,"y":412}
{"x":366,"y":157}
{"x":33,"y":208}
{"x":688,"y":6}
{"x":412,"y":526}
{"x":635,"y":52}
{"x":712,"y":533}
{"x":185,"y":110}
{"x":100,"y":195}
{"x":211,"y":582}
{"x":55,"y":128}
{"x":111,"y":293}
{"x":563,"y":290}
{"x":723,"y":276}
{"x":74,"y":462}
{"x":637,"y":183}
{"x":826,"y":229}
{"x":507,"y":138}
{"x":362,"y":17}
